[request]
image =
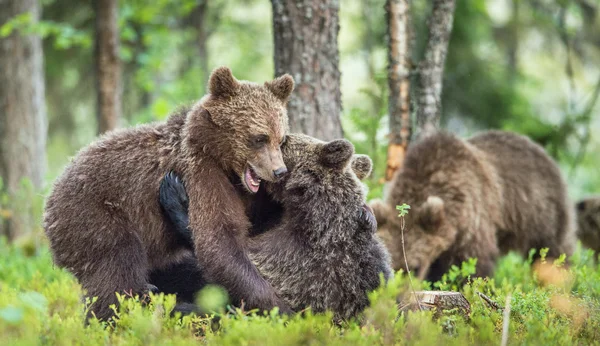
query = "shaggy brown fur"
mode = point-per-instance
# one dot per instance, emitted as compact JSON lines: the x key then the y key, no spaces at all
{"x":322,"y":252}
{"x":588,"y":222}
{"x":495,"y":192}
{"x":103,"y":218}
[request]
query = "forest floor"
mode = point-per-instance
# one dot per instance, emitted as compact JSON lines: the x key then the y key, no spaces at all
{"x":40,"y":304}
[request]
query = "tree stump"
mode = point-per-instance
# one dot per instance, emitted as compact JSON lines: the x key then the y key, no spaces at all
{"x":440,"y":301}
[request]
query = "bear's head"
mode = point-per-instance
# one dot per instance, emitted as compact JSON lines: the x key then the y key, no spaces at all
{"x":248,"y":123}
{"x":323,"y":189}
{"x":427,"y":233}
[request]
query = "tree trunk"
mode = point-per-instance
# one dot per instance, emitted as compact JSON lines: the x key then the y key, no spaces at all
{"x":108,"y":69}
{"x":23,"y":122}
{"x":202,"y":34}
{"x":305,"y":33}
{"x":513,"y":41}
{"x":399,"y":64}
{"x":431,"y":68}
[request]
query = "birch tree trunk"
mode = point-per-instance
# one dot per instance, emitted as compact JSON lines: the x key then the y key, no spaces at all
{"x":108,"y":67}
{"x":23,"y":122}
{"x":399,"y":65}
{"x":431,"y":68}
{"x":305,"y":33}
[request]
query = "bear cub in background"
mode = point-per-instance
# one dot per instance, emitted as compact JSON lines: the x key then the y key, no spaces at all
{"x":322,"y":252}
{"x":497,"y":191}
{"x":588,"y":222}
{"x":103,"y":217}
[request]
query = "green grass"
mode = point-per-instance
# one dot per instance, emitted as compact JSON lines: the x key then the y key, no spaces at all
{"x":41,"y":305}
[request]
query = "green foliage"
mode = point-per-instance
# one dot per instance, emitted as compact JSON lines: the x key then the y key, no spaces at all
{"x":212,"y":298}
{"x":402,"y":209}
{"x":41,"y":304}
{"x":365,"y":127}
{"x":24,"y":206}
{"x":456,"y":276}
{"x":65,"y":36}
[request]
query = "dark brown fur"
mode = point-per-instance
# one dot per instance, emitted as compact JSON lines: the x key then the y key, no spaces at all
{"x":588,"y":222}
{"x":321,"y":252}
{"x":324,"y":253}
{"x":495,"y":192}
{"x":103,"y":218}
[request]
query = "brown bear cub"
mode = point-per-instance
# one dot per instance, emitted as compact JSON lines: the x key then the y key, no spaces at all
{"x":103,"y":218}
{"x":322,"y":252}
{"x":588,"y":222}
{"x":482,"y":197}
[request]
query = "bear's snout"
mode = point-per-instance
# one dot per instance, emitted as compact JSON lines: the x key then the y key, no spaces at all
{"x":280,"y":172}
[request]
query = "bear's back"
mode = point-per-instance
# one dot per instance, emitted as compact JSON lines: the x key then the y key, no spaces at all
{"x":537,"y":212}
{"x":446,"y":166}
{"x":113,"y":166}
{"x":99,"y":191}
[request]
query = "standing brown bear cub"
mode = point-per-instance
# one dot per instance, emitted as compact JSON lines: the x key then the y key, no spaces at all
{"x":103,"y":218}
{"x":481,"y":197}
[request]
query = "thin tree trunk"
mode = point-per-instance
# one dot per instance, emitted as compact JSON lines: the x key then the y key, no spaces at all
{"x":202,"y":34}
{"x":431,"y":68}
{"x":23,"y":122}
{"x":108,"y":69}
{"x":399,"y":65}
{"x":513,"y":41}
{"x":305,"y":33}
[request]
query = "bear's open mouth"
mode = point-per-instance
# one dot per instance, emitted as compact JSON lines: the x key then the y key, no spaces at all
{"x":251,"y":179}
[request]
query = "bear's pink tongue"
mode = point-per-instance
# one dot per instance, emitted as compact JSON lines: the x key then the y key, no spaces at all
{"x":252,"y":180}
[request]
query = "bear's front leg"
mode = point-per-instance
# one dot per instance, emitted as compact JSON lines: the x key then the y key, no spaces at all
{"x":220,"y":228}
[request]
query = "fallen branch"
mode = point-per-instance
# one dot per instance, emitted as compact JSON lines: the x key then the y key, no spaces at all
{"x":439,"y":301}
{"x":490,"y":302}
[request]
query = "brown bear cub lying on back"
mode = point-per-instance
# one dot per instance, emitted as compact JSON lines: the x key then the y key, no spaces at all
{"x":103,"y":218}
{"x":495,"y":192}
{"x":322,"y":251}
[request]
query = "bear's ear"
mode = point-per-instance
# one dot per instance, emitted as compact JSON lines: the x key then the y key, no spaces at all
{"x":222,"y":83}
{"x":281,"y":87}
{"x":336,"y":153}
{"x":362,"y":166}
{"x":431,"y":214}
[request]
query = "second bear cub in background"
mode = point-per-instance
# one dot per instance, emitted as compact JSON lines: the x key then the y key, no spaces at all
{"x":481,"y":197}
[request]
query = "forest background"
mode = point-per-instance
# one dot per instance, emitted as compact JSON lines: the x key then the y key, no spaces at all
{"x":376,"y":72}
{"x":528,"y":66}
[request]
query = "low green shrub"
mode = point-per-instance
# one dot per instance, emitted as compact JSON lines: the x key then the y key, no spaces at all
{"x":41,"y":304}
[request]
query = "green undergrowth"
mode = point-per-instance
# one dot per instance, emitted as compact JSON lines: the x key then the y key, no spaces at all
{"x":41,"y":305}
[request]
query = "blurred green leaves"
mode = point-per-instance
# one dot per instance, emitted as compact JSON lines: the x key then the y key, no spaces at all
{"x":11,"y":314}
{"x":64,"y":35}
{"x":212,"y":298}
{"x":40,"y":303}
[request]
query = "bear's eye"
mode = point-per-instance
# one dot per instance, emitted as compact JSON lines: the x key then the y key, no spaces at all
{"x":259,"y":140}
